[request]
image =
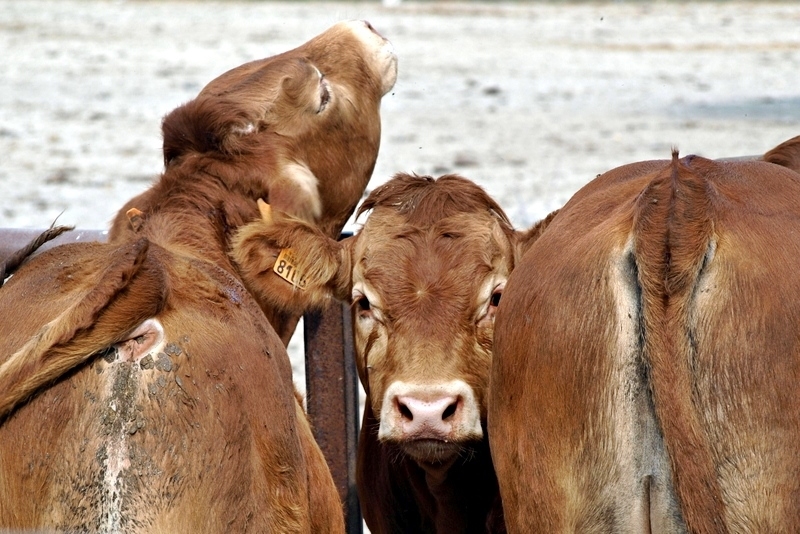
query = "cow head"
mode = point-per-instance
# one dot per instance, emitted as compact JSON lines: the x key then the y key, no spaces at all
{"x":301,"y":129}
{"x":424,"y":276}
{"x":320,"y":104}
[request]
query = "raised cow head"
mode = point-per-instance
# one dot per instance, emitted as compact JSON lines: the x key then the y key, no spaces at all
{"x":300,"y":130}
{"x":322,"y":100}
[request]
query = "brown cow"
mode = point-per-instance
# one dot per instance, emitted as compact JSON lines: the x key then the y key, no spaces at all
{"x":142,"y":388}
{"x":424,"y":275}
{"x":647,"y":355}
{"x":787,"y":154}
{"x":300,"y":130}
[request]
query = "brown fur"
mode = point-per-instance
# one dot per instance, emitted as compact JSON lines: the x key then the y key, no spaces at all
{"x":58,"y":346}
{"x":425,"y":249}
{"x":787,"y":154}
{"x":646,"y":357}
{"x":108,"y":427}
{"x":246,"y":136}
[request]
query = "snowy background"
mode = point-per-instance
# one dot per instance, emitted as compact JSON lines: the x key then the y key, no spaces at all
{"x":531,"y":100}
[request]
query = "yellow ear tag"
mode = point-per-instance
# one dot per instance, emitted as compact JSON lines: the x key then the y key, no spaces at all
{"x":286,"y":267}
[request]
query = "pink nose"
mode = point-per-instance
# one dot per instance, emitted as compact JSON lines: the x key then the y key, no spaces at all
{"x":427,"y":418}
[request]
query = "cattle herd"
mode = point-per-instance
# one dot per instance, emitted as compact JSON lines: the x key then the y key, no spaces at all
{"x":628,"y":364}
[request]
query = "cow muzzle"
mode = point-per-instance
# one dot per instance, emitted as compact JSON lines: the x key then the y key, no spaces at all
{"x":380,"y":50}
{"x":430,"y":422}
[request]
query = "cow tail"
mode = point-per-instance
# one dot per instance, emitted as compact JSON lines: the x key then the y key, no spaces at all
{"x":13,"y":262}
{"x":110,"y":309}
{"x":673,"y":232}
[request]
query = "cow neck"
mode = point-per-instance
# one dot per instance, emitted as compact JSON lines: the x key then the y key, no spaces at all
{"x":462,"y":486}
{"x":199,"y":210}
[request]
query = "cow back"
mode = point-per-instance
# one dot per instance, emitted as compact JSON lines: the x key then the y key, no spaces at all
{"x":646,"y":356}
{"x":203,"y":434}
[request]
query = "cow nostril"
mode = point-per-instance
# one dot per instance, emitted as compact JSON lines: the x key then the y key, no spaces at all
{"x":405,"y":412}
{"x":450,"y":411}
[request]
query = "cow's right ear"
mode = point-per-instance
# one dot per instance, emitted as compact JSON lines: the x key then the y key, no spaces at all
{"x":525,"y":238}
{"x":290,"y":265}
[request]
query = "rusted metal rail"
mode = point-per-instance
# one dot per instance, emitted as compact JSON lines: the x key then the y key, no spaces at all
{"x":331,"y":378}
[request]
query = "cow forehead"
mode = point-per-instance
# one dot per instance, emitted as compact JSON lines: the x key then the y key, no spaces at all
{"x":450,"y":259}
{"x":387,"y":234}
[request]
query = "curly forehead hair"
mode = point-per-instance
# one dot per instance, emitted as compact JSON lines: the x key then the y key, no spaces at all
{"x":425,"y":200}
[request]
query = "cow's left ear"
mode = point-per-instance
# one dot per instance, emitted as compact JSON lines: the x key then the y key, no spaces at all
{"x":289,"y":264}
{"x":523,"y":239}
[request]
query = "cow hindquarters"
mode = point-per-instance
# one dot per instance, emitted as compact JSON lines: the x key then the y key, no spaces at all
{"x":574,"y":437}
{"x":721,"y":340}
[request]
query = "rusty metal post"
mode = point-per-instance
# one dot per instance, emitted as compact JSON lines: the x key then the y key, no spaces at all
{"x":332,"y":399}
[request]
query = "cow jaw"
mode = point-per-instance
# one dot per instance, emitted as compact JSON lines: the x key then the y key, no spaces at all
{"x":430,"y":422}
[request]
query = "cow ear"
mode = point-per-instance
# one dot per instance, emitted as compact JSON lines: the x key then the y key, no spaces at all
{"x":525,"y":238}
{"x":289,"y":264}
{"x":206,"y":125}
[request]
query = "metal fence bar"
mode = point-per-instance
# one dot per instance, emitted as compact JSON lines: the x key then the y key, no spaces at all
{"x":332,"y":399}
{"x":331,"y":378}
{"x":13,"y":239}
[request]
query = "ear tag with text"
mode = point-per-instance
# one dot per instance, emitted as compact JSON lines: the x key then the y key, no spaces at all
{"x":286,"y":267}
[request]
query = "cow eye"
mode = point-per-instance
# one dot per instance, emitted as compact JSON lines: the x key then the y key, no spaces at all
{"x":363,"y":304}
{"x":489,"y":308}
{"x":495,"y":300}
{"x":324,"y":94}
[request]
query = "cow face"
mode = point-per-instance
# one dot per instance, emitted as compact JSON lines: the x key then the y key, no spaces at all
{"x":424,"y":295}
{"x":425,"y":276}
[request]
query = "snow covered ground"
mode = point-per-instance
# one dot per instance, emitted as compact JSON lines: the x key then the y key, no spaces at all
{"x":531,"y":100}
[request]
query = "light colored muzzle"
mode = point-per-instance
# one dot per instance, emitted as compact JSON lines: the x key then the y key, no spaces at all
{"x":445,"y":411}
{"x":380,"y":50}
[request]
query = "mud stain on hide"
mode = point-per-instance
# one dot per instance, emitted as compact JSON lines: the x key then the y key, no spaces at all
{"x":120,"y":420}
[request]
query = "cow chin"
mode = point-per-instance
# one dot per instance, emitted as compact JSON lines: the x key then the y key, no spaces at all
{"x":434,"y":452}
